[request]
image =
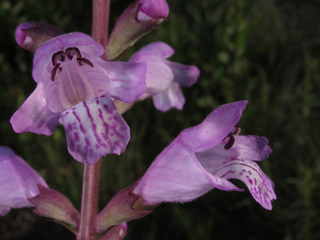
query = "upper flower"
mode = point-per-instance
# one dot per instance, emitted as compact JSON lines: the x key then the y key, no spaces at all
{"x":18,"y":181}
{"x":206,"y":156}
{"x":164,"y":77}
{"x":76,"y":85}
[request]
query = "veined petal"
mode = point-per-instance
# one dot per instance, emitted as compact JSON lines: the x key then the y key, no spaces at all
{"x":236,"y":163}
{"x":43,"y":55}
{"x":128,"y":79}
{"x":34,"y":116}
{"x":171,"y":97}
{"x":75,"y":84}
{"x":214,"y":128}
{"x":94,"y":128}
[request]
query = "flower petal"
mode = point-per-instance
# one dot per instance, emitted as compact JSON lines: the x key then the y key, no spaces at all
{"x":128,"y":79}
{"x":183,"y":74}
{"x":34,"y":116}
{"x":43,"y":55}
{"x":173,"y":177}
{"x":158,"y":77}
{"x":171,"y":97}
{"x":214,"y":128}
{"x":236,"y":163}
{"x":94,"y":128}
{"x":159,"y":49}
{"x":18,"y":181}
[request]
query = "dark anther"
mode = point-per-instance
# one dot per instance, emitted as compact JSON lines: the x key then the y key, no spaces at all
{"x":84,"y":60}
{"x":235,"y":131}
{"x":57,"y":68}
{"x":58,"y":56}
{"x":72,"y":51}
{"x":230,"y":143}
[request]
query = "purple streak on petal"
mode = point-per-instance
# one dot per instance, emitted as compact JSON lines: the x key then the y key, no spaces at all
{"x":153,"y":9}
{"x":128,"y":79}
{"x":100,"y":130}
{"x":42,"y":57}
{"x":159,"y":49}
{"x":236,"y":163}
{"x":214,"y":128}
{"x":18,"y":181}
{"x":183,"y":74}
{"x":34,"y":116}
{"x":171,"y":97}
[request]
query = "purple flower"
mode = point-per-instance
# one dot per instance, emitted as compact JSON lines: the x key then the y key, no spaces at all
{"x":206,"y":156}
{"x":18,"y":181}
{"x":75,"y":86}
{"x":164,"y":77}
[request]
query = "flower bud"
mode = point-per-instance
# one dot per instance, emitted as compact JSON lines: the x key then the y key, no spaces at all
{"x":31,"y":35}
{"x":137,"y":20}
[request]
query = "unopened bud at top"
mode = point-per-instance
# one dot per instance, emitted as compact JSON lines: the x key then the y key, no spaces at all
{"x":31,"y":35}
{"x":153,"y":9}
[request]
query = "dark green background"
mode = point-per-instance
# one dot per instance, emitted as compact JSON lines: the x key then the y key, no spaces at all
{"x":264,"y":51}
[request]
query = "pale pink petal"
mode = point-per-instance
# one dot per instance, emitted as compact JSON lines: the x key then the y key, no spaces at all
{"x":169,"y":98}
{"x":94,"y":128}
{"x":34,"y":116}
{"x":128,"y":79}
{"x":158,"y":76}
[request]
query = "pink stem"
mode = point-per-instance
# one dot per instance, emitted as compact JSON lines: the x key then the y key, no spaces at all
{"x":89,"y":201}
{"x":100,"y":21}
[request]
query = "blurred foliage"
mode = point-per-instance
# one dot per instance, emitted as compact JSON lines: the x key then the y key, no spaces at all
{"x":264,"y":51}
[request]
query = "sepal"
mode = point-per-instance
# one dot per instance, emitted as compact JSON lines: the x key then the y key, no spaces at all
{"x":52,"y":204}
{"x":137,"y":20}
{"x":119,"y":210}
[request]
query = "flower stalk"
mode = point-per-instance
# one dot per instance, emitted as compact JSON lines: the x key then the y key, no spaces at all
{"x":89,"y":201}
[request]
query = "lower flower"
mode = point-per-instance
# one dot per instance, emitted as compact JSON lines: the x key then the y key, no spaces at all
{"x":18,"y":181}
{"x":205,"y":157}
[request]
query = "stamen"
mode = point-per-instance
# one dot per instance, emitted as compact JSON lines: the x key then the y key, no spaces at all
{"x":57,"y":69}
{"x":236,"y":130}
{"x":230,"y":138}
{"x":72,"y":51}
{"x":230,"y":142}
{"x":58,"y":56}
{"x":84,"y":60}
